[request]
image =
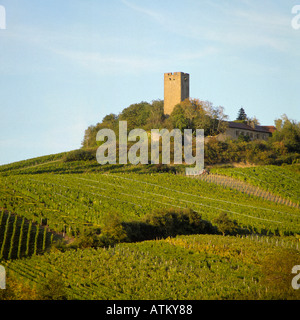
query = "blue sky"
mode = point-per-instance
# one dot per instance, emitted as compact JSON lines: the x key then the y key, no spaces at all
{"x":65,"y":64}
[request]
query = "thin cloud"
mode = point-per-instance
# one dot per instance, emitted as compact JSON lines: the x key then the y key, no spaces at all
{"x":102,"y":63}
{"x":152,"y":14}
{"x":244,"y":25}
{"x":249,"y":24}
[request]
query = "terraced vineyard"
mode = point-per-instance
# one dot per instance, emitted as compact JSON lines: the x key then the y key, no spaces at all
{"x":20,"y":237}
{"x":187,"y":267}
{"x":35,"y":206}
{"x":68,"y":203}
{"x":282,"y":181}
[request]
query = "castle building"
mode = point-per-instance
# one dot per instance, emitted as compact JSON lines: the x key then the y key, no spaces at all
{"x":254,"y":132}
{"x":176,"y":89}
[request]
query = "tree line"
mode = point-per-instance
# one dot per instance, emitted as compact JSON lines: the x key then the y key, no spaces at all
{"x":189,"y":114}
{"x":282,"y":147}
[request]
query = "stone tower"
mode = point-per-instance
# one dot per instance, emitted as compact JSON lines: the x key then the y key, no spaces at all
{"x":177,"y":89}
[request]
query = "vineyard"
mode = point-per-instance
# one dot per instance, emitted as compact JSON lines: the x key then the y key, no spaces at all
{"x":68,"y":203}
{"x":189,"y":267}
{"x":282,"y":181}
{"x":47,"y":200}
{"x":20,"y":238}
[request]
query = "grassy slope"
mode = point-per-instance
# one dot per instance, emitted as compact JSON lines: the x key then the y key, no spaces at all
{"x":185,"y":267}
{"x":189,"y":267}
{"x":77,"y":199}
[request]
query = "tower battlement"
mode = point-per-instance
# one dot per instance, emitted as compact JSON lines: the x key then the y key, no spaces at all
{"x":176,"y":89}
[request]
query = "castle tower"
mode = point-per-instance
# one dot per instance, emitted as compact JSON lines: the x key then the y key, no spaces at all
{"x":177,"y":89}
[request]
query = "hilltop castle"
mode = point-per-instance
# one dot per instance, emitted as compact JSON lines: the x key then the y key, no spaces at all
{"x":177,"y":89}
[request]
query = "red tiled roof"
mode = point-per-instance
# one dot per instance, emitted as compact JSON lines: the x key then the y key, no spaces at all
{"x":270,"y":128}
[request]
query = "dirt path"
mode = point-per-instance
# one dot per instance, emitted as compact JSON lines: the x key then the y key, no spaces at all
{"x":245,"y":188}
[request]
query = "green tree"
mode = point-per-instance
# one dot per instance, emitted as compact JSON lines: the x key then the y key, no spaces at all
{"x":110,"y":121}
{"x":112,"y":231}
{"x":52,"y":289}
{"x":225,"y":225}
{"x":242,"y":115}
{"x":197,"y":114}
{"x":172,"y":222}
{"x":253,"y":121}
{"x":88,"y":239}
{"x":243,"y":138}
{"x":156,"y":117}
{"x":178,"y":118}
{"x":288,"y":132}
{"x":136,"y":115}
{"x":89,"y":139}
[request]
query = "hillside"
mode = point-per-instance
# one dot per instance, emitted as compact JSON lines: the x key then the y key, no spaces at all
{"x":187,"y":267}
{"x":282,"y":181}
{"x":91,"y":207}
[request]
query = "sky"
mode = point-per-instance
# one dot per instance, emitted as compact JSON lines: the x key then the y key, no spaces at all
{"x":66,"y":64}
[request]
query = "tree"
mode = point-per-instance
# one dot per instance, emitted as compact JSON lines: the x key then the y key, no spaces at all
{"x":226,"y":225}
{"x":243,"y":138}
{"x":110,"y":121}
{"x":288,"y":132}
{"x":218,"y":123}
{"x":157,"y":117}
{"x":178,"y":118}
{"x":112,"y":231}
{"x":136,"y":115}
{"x":89,"y":139}
{"x":52,"y":289}
{"x":242,"y":115}
{"x":196,"y":114}
{"x":253,"y":122}
{"x":189,"y":114}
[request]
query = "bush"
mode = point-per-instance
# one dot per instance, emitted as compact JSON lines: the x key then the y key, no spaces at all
{"x":158,"y":168}
{"x":80,"y":155}
{"x":225,"y":225}
{"x":159,"y":224}
{"x":112,"y":231}
{"x":139,"y":231}
{"x":88,"y":239}
{"x":53,"y":289}
{"x":172,"y":222}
